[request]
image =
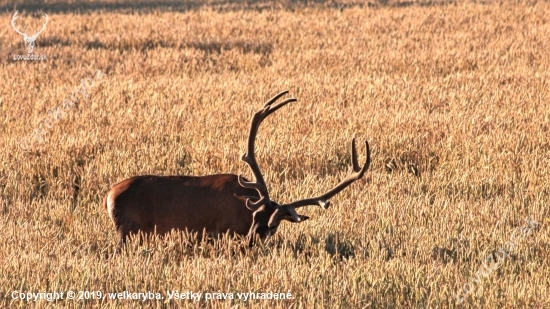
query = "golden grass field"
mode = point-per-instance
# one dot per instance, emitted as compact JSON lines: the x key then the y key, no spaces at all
{"x":454,"y":99}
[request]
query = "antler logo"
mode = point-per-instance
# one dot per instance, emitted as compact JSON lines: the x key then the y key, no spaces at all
{"x":29,"y":40}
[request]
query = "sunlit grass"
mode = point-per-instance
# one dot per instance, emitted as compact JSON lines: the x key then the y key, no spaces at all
{"x":453,"y":99}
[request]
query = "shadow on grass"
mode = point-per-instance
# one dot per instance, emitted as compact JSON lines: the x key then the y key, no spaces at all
{"x":211,"y":46}
{"x":127,"y":6}
{"x":336,"y":246}
{"x":179,"y":246}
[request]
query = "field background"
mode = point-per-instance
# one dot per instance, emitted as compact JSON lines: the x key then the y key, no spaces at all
{"x":454,"y":99}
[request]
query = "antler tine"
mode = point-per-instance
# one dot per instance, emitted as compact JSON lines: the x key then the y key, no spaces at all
{"x":248,"y":201}
{"x":247,"y":184}
{"x":275,"y":98}
{"x":250,"y":158}
{"x":43,"y":26}
{"x":13,"y":19}
{"x":274,"y":108}
{"x":357,"y":173}
{"x":360,"y":170}
{"x":255,"y":205}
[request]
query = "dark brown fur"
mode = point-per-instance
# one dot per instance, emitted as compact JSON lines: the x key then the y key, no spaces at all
{"x":163,"y":203}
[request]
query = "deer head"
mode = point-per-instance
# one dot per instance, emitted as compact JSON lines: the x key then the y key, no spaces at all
{"x":29,"y":40}
{"x":268,"y":214}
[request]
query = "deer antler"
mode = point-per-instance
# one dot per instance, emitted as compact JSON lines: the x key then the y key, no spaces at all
{"x":35,"y":35}
{"x":24,"y":34}
{"x":249,"y":156}
{"x":323,"y":200}
{"x":13,"y":25}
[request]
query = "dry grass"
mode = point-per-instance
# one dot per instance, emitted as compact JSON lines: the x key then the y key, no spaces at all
{"x":454,"y":100}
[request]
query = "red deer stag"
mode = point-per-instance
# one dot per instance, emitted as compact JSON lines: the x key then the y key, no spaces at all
{"x":214,"y":204}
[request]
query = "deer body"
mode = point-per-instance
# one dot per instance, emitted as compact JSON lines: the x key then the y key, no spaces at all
{"x":214,"y":204}
{"x":163,"y":203}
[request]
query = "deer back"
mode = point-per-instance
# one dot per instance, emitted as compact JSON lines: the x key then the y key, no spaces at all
{"x":194,"y":203}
